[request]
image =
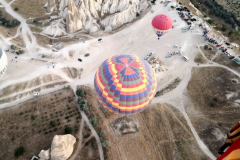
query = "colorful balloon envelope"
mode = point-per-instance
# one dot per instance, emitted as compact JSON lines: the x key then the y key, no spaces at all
{"x":125,"y":84}
{"x":162,"y":24}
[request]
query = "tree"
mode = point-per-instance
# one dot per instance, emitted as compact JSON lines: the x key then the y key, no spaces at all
{"x":137,"y":14}
{"x":230,"y":33}
{"x":21,"y":51}
{"x":84,"y":107}
{"x":68,"y":130}
{"x":33,"y":117}
{"x":13,"y":47}
{"x":19,"y":151}
{"x":16,"y":9}
{"x":224,"y":28}
{"x":94,"y":122}
{"x":52,"y":123}
{"x":106,"y":144}
{"x":80,"y":92}
{"x":102,"y":133}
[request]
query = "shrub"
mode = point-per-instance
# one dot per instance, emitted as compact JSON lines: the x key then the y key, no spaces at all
{"x":13,"y":47}
{"x":102,"y":133}
{"x":80,"y":92}
{"x":36,"y":29}
{"x":94,"y":122}
{"x":224,"y":28}
{"x":43,"y":56}
{"x":21,"y":51}
{"x":16,"y":9}
{"x":33,"y":117}
{"x":19,"y":151}
{"x":137,"y":14}
{"x":206,"y":47}
{"x":68,"y":130}
{"x":52,"y":123}
{"x":106,"y":144}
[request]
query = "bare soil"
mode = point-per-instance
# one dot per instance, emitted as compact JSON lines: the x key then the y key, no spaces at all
{"x":169,"y":87}
{"x":200,"y":59}
{"x":19,"y":128}
{"x":18,"y":41}
{"x":214,"y":107}
{"x":42,"y":40}
{"x":30,"y":8}
{"x":157,"y":133}
{"x":71,"y":72}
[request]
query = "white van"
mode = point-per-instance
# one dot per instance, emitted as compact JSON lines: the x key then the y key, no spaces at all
{"x":36,"y":94}
{"x":185,"y":58}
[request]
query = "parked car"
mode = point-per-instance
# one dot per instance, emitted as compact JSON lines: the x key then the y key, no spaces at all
{"x":146,"y":58}
{"x":17,"y":53}
{"x":152,"y":53}
{"x":54,"y":50}
{"x":219,"y":45}
{"x":7,"y":50}
{"x":232,"y":57}
{"x":79,"y":59}
{"x":12,"y":51}
{"x":175,"y":46}
{"x":169,"y":55}
{"x":36,"y":94}
{"x":180,"y":52}
{"x":100,"y":40}
{"x":86,"y":55}
{"x":185,"y":58}
{"x":176,"y":52}
{"x":152,"y":11}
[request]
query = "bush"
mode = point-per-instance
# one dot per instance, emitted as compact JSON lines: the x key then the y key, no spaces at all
{"x":224,"y":28}
{"x":52,"y":123}
{"x":137,"y":14}
{"x":106,"y":144}
{"x":102,"y":133}
{"x":13,"y":47}
{"x":16,"y":9}
{"x":84,"y":107}
{"x":210,"y":21}
{"x":21,"y":51}
{"x":80,"y":92}
{"x":206,"y":47}
{"x":19,"y":151}
{"x":94,"y":122}
{"x":33,"y":117}
{"x":68,"y":130}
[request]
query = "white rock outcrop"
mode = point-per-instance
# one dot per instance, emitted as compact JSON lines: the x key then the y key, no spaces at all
{"x":73,"y":19}
{"x":62,"y":147}
{"x":44,"y":154}
{"x":96,"y":15}
{"x":56,"y":28}
{"x":157,"y":65}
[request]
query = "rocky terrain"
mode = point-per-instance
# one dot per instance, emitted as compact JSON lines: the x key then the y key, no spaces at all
{"x":90,"y":16}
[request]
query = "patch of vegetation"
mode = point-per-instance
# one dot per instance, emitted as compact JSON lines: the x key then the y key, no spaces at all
{"x":15,"y":9}
{"x":52,"y":123}
{"x":137,"y":14}
{"x":102,"y":133}
{"x":68,"y":130}
{"x":33,"y":117}
{"x":80,"y":92}
{"x":37,"y":29}
{"x":13,"y":47}
{"x":106,"y":144}
{"x":21,"y":51}
{"x":83,"y":104}
{"x":43,"y":56}
{"x":94,"y":122}
{"x":19,"y":151}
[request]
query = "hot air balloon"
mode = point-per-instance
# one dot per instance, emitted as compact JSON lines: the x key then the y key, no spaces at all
{"x":161,"y":24}
{"x":231,"y":149}
{"x":125,"y":84}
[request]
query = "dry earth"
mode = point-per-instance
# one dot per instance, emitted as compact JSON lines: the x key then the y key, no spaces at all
{"x":215,"y":104}
{"x":30,"y":8}
{"x":159,"y":132}
{"x":200,"y":59}
{"x":19,"y":128}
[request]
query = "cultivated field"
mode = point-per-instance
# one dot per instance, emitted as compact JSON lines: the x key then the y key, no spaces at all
{"x":32,"y":124}
{"x":159,"y":132}
{"x":215,"y":102}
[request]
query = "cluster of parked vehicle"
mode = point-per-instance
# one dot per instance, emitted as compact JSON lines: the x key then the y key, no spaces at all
{"x":183,"y":9}
{"x":8,"y":50}
{"x":187,"y":17}
{"x":149,"y":55}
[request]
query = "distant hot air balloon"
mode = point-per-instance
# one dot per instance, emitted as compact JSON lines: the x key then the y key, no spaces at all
{"x":125,"y":84}
{"x":161,"y":24}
